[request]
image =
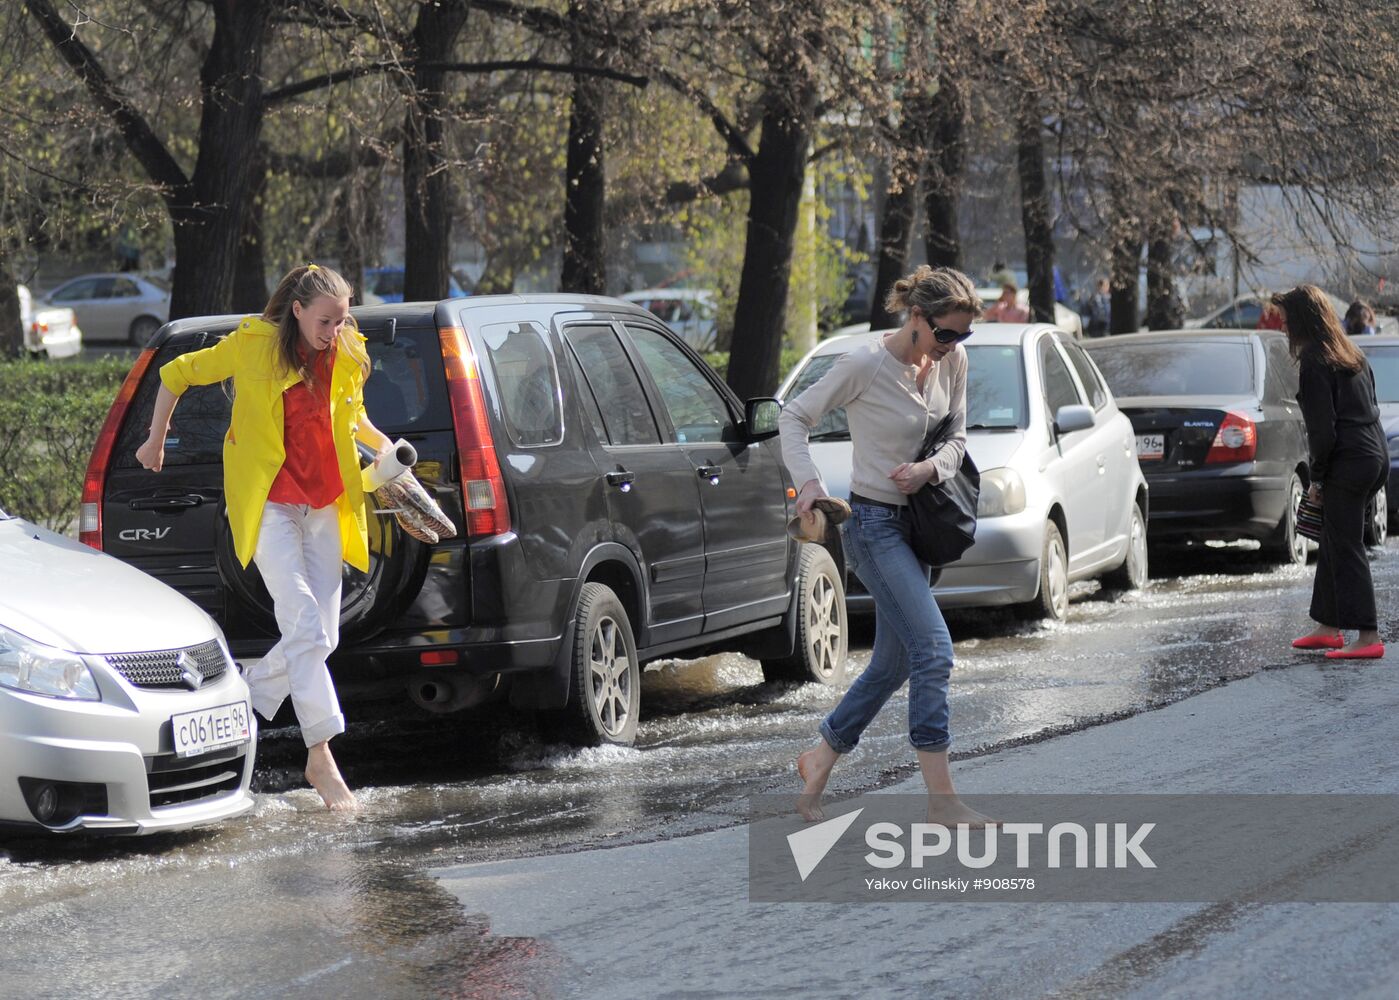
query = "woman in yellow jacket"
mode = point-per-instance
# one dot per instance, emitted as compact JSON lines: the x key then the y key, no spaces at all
{"x":292,"y":485}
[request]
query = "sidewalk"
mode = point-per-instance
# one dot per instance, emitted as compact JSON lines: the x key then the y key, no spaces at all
{"x":673,"y":918}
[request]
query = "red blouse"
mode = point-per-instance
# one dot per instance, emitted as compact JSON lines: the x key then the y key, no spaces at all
{"x":311,"y":474}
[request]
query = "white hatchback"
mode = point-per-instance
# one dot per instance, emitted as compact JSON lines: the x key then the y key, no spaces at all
{"x":120,"y":707}
{"x":1062,"y":495}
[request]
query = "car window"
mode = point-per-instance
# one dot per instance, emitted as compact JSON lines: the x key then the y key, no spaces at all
{"x":614,"y":385}
{"x":1282,"y":370}
{"x":1059,"y":389}
{"x":526,"y":382}
{"x":124,"y":288}
{"x":995,"y":387}
{"x":1087,"y":375}
{"x":1384,"y":361}
{"x":74,"y":290}
{"x":697,"y":410}
{"x":406,"y":377}
{"x":1240,"y":316}
{"x":833,"y":426}
{"x":1176,"y":368}
{"x":104,"y":288}
{"x":386,"y":283}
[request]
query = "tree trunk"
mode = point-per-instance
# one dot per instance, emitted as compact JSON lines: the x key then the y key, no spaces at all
{"x":775,"y":183}
{"x":895,"y":234}
{"x":206,"y":208}
{"x":1126,"y":265}
{"x":250,"y":278}
{"x":942,"y":181}
{"x":1162,"y":308}
{"x":1034,"y":214}
{"x":11,"y":329}
{"x":585,"y":183}
{"x":427,"y":193}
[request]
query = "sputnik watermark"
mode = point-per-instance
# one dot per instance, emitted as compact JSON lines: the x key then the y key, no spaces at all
{"x":1099,"y":848}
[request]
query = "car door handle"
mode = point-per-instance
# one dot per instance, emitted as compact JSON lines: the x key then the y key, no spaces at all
{"x":167,"y":503}
{"x":621,"y":479}
{"x":710,"y":472}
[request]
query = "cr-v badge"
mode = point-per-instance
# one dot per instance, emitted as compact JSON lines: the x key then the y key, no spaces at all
{"x":143,"y":534}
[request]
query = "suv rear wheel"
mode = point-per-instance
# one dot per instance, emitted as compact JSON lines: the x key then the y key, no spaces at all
{"x":604,"y":697}
{"x":822,"y":633}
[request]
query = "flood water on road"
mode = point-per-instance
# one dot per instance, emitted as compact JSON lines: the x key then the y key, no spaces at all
{"x":304,"y":902}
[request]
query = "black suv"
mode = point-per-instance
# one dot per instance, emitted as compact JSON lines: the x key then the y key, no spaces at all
{"x":615,"y":503}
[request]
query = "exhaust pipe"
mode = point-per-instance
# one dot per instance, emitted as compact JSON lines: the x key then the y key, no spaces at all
{"x":451,"y":694}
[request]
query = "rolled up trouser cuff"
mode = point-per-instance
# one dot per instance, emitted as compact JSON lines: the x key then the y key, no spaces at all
{"x":937,"y":747}
{"x":832,"y":740}
{"x":331,"y":726}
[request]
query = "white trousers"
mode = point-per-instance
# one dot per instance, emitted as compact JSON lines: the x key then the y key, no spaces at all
{"x":299,"y":557}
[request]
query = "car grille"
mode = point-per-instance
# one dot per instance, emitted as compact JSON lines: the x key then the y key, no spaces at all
{"x":181,"y":780}
{"x":161,"y":669}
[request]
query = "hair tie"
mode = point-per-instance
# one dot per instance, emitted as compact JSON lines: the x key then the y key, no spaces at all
{"x":313,"y":267}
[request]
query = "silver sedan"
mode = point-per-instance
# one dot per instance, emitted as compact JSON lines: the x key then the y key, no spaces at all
{"x":121,"y":307}
{"x":1062,"y":495}
{"x":120,"y":709}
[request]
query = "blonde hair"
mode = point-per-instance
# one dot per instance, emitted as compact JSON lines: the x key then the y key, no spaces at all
{"x":306,"y":283}
{"x":1312,"y":324}
{"x":934,"y":291}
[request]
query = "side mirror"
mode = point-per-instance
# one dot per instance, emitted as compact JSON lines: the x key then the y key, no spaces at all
{"x":1073,"y":418}
{"x":760,"y":417}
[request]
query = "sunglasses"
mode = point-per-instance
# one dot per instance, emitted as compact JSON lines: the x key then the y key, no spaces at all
{"x":945,"y":336}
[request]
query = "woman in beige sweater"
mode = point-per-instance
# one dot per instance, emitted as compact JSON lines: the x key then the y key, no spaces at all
{"x":893,"y":391}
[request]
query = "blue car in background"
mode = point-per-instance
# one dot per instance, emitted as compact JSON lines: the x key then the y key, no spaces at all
{"x":387,"y":284}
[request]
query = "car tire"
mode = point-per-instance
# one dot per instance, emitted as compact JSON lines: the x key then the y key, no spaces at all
{"x":1377,"y":519}
{"x":143,"y":328}
{"x":604,"y":696}
{"x":1134,"y":571}
{"x":1052,"y":602}
{"x":823,"y":632}
{"x":1288,"y":546}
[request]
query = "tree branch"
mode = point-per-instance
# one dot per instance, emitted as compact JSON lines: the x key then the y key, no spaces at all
{"x":144,"y":144}
{"x":294,"y":90}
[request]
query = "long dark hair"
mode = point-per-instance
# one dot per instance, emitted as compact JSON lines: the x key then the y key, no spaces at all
{"x":1312,"y":326}
{"x":304,"y":284}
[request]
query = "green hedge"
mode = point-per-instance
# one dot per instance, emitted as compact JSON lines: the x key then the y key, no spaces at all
{"x":50,"y":414}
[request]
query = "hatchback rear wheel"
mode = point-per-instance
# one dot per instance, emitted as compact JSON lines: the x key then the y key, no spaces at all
{"x":1132,"y":574}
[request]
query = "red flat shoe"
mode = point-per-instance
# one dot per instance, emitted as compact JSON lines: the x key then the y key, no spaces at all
{"x":1319,"y":642}
{"x":1371,"y":652}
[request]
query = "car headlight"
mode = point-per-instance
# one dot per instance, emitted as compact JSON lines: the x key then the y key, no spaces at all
{"x":1002,"y":493}
{"x":26,"y":665}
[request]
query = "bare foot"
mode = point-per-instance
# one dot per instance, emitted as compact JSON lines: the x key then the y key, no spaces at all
{"x":325,"y":778}
{"x":951,"y":812}
{"x":814,"y":768}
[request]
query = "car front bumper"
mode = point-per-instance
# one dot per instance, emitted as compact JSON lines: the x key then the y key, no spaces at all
{"x":124,"y":745}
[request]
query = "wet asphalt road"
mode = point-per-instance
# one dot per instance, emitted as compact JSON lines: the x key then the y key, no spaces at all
{"x":291,"y":893}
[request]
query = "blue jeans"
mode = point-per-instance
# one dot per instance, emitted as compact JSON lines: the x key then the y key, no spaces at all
{"x":911,"y":641}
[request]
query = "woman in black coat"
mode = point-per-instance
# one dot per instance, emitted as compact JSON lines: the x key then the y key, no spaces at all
{"x":1349,"y":463}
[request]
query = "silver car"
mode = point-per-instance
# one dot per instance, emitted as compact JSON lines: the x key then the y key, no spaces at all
{"x":1062,"y":495}
{"x":120,"y":709}
{"x":121,"y":307}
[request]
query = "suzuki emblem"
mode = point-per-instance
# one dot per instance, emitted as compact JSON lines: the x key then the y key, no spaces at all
{"x":189,"y":671}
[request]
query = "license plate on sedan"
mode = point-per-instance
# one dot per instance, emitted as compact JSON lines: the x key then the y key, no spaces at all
{"x":1151,"y":446}
{"x":211,"y":729}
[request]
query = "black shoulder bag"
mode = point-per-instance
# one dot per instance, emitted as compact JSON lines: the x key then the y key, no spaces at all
{"x":944,"y":514}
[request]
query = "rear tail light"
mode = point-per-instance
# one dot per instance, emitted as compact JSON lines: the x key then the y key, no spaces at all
{"x":1235,"y":441}
{"x":90,"y":513}
{"x":482,"y":486}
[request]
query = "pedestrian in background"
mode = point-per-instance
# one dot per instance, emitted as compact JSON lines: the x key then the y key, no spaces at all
{"x":1360,"y":319}
{"x":1097,"y":314}
{"x":1006,"y":309}
{"x":292,"y":485}
{"x":893,"y":391}
{"x":1349,"y":463}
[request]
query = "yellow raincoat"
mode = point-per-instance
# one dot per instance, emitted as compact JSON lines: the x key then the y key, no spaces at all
{"x":253,"y":451}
